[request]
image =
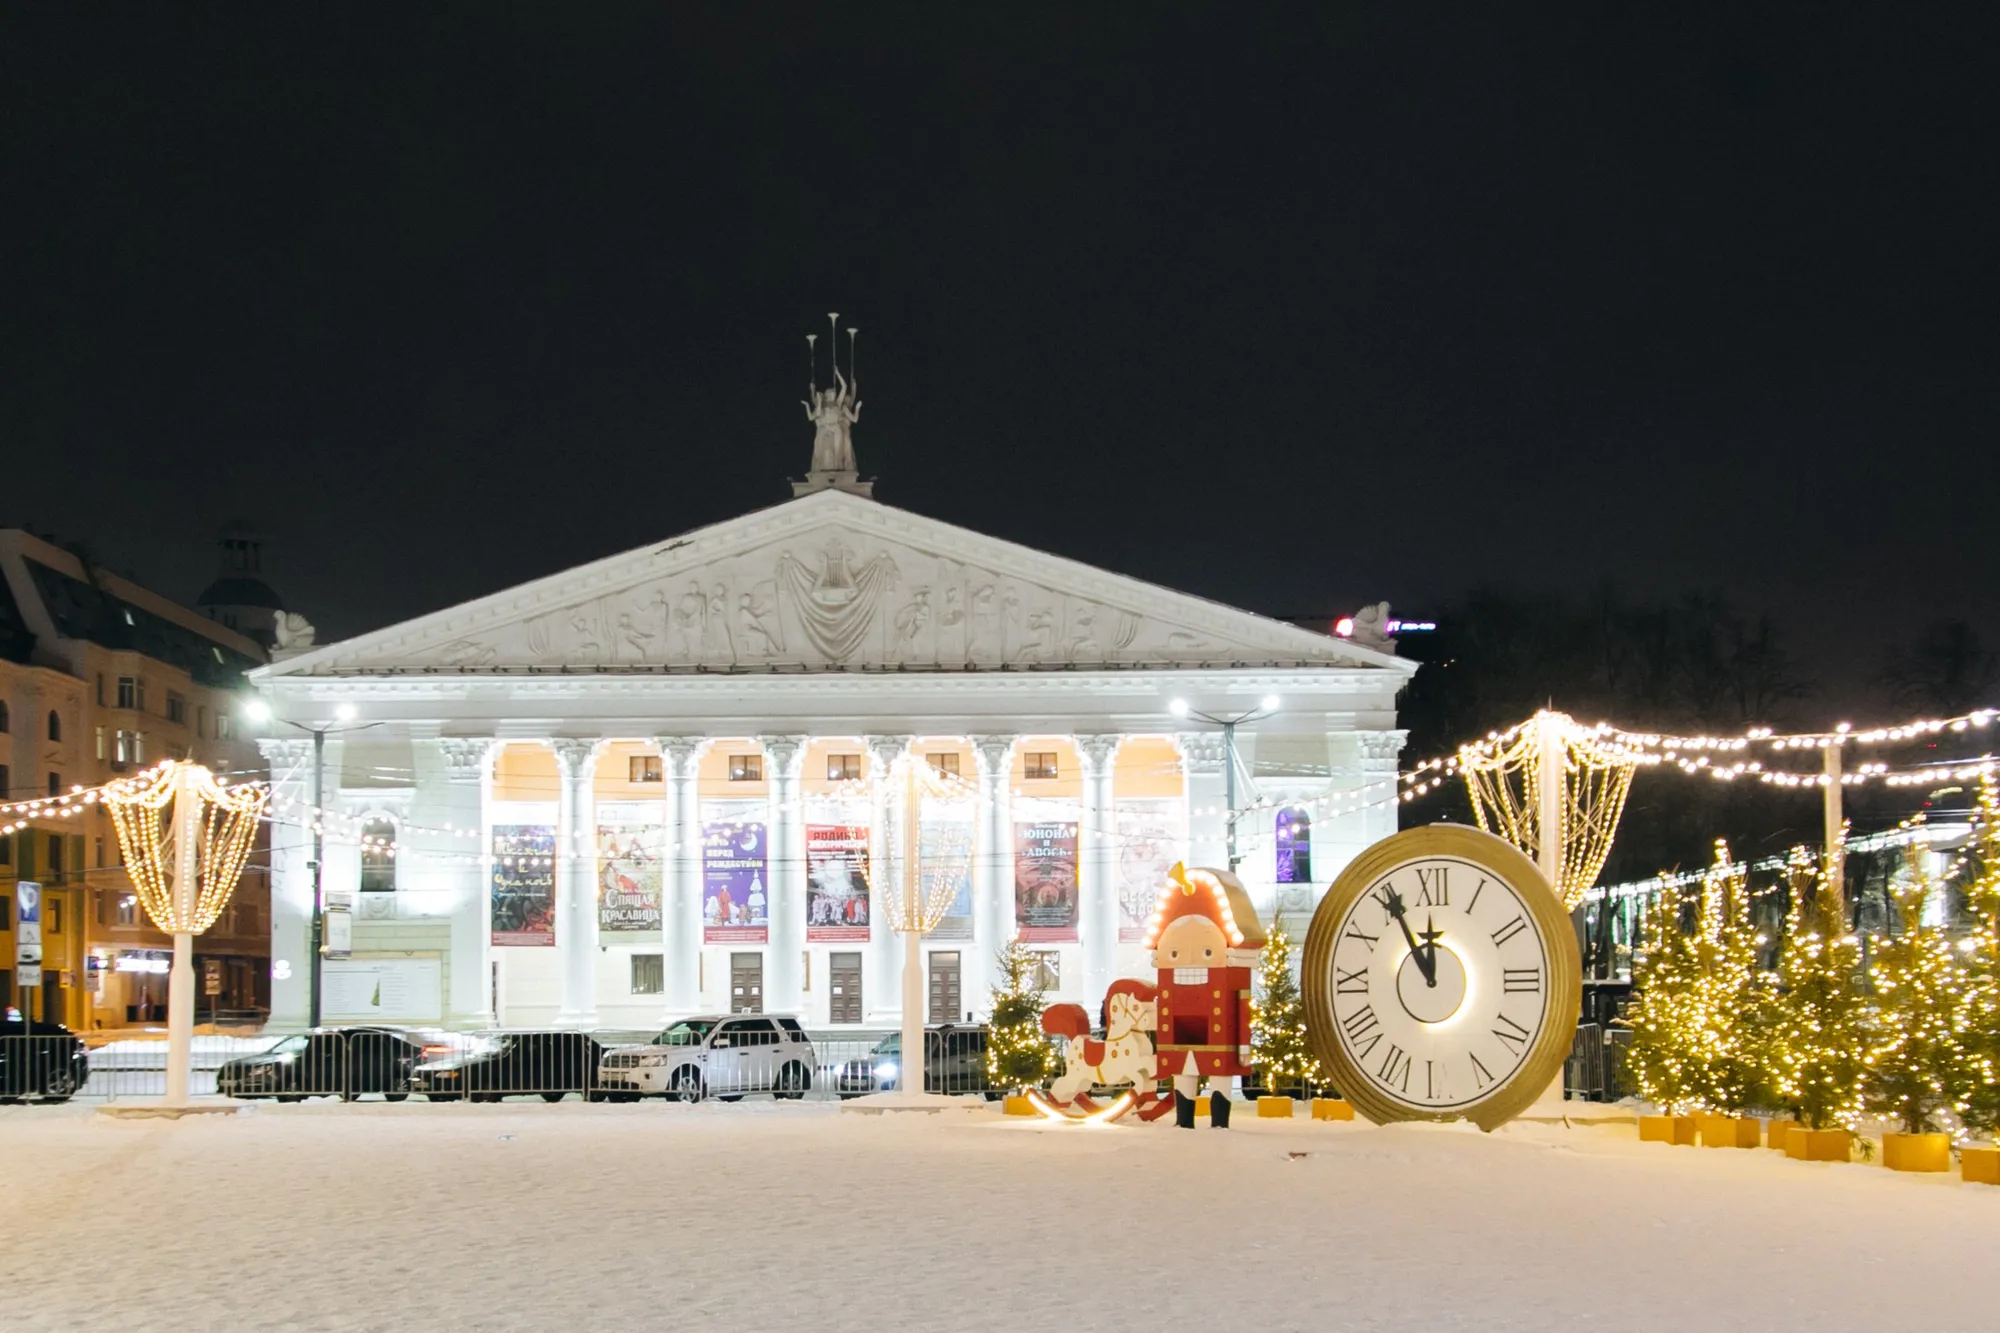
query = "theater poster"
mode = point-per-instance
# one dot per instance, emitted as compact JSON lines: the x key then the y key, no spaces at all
{"x":629,"y":870}
{"x":1151,"y":837}
{"x":524,"y":885}
{"x":836,"y":883}
{"x":735,"y":873}
{"x":1045,"y":896}
{"x":944,"y":848}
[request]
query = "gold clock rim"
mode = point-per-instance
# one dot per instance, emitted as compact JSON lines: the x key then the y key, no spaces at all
{"x":1565,"y":991}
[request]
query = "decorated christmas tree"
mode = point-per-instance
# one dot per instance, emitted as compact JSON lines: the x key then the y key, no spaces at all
{"x":1017,"y":1051}
{"x":1918,"y":1060}
{"x":1727,"y":1015}
{"x":1816,"y":1046}
{"x":1663,"y":1015}
{"x":1278,"y":1044}
{"x":1980,"y":954}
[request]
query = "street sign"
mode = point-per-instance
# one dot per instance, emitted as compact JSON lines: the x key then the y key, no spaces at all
{"x":339,"y":936}
{"x":211,"y":976}
{"x":28,"y":927}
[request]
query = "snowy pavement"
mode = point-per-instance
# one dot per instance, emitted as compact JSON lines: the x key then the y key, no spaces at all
{"x":792,"y":1216}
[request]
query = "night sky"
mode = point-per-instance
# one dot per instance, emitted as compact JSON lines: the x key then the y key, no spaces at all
{"x":1295,"y":312}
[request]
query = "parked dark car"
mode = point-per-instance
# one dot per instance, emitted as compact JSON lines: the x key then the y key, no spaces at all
{"x":507,"y":1064}
{"x":329,"y":1062}
{"x":39,"y":1061}
{"x":954,"y":1062}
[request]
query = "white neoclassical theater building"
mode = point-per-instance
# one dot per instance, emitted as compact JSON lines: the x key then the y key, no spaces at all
{"x":663,"y":783}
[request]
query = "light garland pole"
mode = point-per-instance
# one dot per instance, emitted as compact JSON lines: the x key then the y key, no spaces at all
{"x":184,"y":862}
{"x":1266,"y":707}
{"x":260,"y":712}
{"x":1833,"y":881}
{"x":914,"y":911}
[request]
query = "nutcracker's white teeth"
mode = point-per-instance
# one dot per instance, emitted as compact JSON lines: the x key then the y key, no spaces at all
{"x":1190,"y":976}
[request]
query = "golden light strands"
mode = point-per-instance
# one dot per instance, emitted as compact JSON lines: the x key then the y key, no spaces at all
{"x":1504,"y":784}
{"x":143,"y":811}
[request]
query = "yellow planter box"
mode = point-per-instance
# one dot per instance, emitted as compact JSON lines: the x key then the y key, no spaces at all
{"x":1332,"y":1108}
{"x":1016,"y":1104}
{"x":1679,"y":1129}
{"x":1729,"y":1131}
{"x":1201,"y":1104}
{"x":1274,"y":1108}
{"x":1916,"y":1152}
{"x":1818,"y":1145}
{"x":1774,"y":1133}
{"x":1981,"y":1166}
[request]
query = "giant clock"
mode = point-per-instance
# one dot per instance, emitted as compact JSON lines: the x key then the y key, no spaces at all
{"x":1441,"y":979}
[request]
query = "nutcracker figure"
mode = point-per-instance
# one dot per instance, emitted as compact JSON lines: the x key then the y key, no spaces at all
{"x":1205,"y":939}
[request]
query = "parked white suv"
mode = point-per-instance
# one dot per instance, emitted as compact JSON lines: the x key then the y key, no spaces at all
{"x":723,"y":1055}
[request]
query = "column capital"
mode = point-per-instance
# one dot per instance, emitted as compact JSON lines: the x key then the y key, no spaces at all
{"x":576,"y":755}
{"x":993,"y":754}
{"x":285,"y":750}
{"x":1380,"y":748}
{"x":465,"y":757}
{"x":1201,"y":751}
{"x":884,"y":751}
{"x":787,"y":754}
{"x":1097,"y":753}
{"x":682,"y":753}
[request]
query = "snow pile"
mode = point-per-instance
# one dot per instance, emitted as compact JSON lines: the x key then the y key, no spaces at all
{"x":788,"y":1215}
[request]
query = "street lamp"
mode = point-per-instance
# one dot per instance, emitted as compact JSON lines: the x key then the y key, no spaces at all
{"x":1266,"y":706}
{"x":259,"y":712}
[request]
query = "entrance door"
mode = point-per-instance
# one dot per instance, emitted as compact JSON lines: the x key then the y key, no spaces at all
{"x":844,"y":976}
{"x":944,"y":988}
{"x":746,"y":983}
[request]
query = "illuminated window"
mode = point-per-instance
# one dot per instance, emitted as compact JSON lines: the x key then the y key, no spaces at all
{"x":944,"y":763}
{"x":1294,"y":842}
{"x":843,"y":768}
{"x":746,"y":768}
{"x":644,"y":768}
{"x":1039,"y":765}
{"x":128,"y":911}
{"x":378,"y":856}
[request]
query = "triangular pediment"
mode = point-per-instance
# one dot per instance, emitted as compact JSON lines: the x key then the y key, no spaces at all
{"x":832,"y":581}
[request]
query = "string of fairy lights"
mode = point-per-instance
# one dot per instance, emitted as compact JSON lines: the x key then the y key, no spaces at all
{"x":1749,"y":755}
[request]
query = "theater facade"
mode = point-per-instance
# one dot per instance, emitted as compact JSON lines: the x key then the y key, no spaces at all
{"x":676,"y":780}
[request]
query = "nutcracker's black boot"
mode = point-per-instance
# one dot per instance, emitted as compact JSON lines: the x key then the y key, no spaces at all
{"x":1183,"y":1111}
{"x":1218,"y":1110}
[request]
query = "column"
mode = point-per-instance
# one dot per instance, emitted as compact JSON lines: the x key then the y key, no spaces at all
{"x":993,"y":864}
{"x":882,"y":978}
{"x":1097,"y":889}
{"x":576,"y":881}
{"x":785,"y":894}
{"x":1202,"y":758}
{"x":465,"y":761}
{"x":680,"y":912}
{"x":1378,"y":782}
{"x":290,"y":763}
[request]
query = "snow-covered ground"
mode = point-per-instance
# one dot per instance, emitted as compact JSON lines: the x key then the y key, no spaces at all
{"x":791,"y":1216}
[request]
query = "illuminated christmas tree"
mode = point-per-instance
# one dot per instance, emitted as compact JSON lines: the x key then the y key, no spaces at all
{"x":1729,"y":1000}
{"x":1663,"y":1014}
{"x":1017,"y":1051}
{"x":1917,"y":1062}
{"x":1980,"y":952}
{"x":1820,"y":1031}
{"x":1279,"y":1047}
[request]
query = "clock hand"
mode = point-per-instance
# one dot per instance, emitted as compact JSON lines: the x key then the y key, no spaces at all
{"x":1431,"y":937}
{"x":1392,"y":903}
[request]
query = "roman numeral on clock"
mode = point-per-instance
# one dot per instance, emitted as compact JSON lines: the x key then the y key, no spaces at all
{"x":1475,"y":893}
{"x":1512,"y":1035}
{"x":1359,"y":1023}
{"x":1355,"y":932}
{"x":1520,"y":981}
{"x":1481,"y":1075}
{"x":1396,"y":1066}
{"x":1350,"y":983}
{"x":1434,"y":1086}
{"x":1509,"y":931}
{"x":1432,"y":888}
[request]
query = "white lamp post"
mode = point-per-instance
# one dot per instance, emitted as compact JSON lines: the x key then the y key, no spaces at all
{"x":1266,"y":707}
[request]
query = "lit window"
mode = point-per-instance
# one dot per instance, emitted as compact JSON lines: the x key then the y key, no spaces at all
{"x":746,"y":768}
{"x":649,"y":974}
{"x":128,"y":911}
{"x":1294,"y":842}
{"x":843,"y":768}
{"x":378,"y":856}
{"x":944,"y":763}
{"x":644,"y":768}
{"x":225,"y":726}
{"x":1039,"y":765}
